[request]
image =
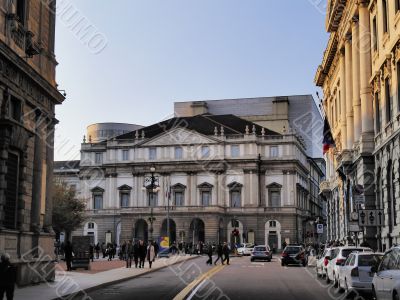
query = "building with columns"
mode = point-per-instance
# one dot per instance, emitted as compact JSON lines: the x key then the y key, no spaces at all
{"x":385,"y":96}
{"x":28,"y":95}
{"x":213,"y":169}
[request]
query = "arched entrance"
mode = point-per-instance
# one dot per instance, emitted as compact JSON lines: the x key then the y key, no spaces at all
{"x":273,"y":234}
{"x":141,"y":230}
{"x":172,"y":230}
{"x":232,"y":239}
{"x":197,"y":231}
{"x":91,"y":229}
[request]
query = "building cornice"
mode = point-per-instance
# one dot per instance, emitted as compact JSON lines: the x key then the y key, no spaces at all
{"x":329,"y":56}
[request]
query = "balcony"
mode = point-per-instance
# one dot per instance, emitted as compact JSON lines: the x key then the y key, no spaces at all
{"x":325,"y":187}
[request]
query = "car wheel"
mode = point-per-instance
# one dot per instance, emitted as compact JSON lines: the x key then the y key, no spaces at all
{"x":373,"y":293}
{"x":327,"y":278}
{"x":282,"y":264}
{"x":251,"y":259}
{"x":335,"y":282}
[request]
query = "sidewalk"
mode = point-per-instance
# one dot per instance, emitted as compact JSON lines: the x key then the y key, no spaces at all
{"x":67,"y":283}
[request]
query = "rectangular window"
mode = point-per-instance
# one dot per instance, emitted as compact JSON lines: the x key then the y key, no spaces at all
{"x":98,"y":201}
{"x":385,"y":16}
{"x":153,"y":199}
{"x":21,"y":11}
{"x":374,"y":34}
{"x":12,"y":175}
{"x":178,"y":198}
{"x":377,"y":114}
{"x":397,"y":5}
{"x":235,"y":199}
{"x":125,"y":154}
{"x":235,"y":151}
{"x":98,"y":158}
{"x":388,"y":101}
{"x":15,"y":109}
{"x":125,"y":197}
{"x":273,"y":151}
{"x":205,"y":151}
{"x":152,"y":153}
{"x":205,"y":198}
{"x":274,"y":198}
{"x":178,"y":153}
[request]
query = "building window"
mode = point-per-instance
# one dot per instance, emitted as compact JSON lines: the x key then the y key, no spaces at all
{"x":273,"y":151}
{"x":125,"y":154}
{"x":178,"y":198}
{"x":98,"y":159}
{"x":374,"y":34}
{"x":124,"y":199}
{"x":90,"y":225}
{"x":397,"y":5}
{"x":152,"y":153}
{"x":377,"y":114}
{"x":385,"y":16}
{"x":178,"y":153}
{"x":153,"y":199}
{"x":15,"y":109}
{"x":205,"y":198}
{"x":205,"y":151}
{"x":12,"y":176}
{"x":274,"y":195}
{"x":21,"y":11}
{"x":98,"y":201}
{"x":272,"y":224}
{"x":235,"y":198}
{"x":235,"y":150}
{"x":388,"y":101}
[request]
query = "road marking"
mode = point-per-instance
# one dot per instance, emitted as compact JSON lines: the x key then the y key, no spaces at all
{"x":196,"y":289}
{"x":182,"y":294}
{"x":258,"y":263}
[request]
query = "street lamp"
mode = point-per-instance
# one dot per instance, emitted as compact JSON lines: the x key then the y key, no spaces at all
{"x":151,"y":193}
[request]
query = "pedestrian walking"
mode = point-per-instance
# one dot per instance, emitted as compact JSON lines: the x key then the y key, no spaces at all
{"x":68,"y":255}
{"x":128,"y":254}
{"x":110,"y":252}
{"x":219,"y":253}
{"x":225,"y":251}
{"x":142,"y":253}
{"x":91,"y":252}
{"x":151,"y":254}
{"x":209,"y":253}
{"x":8,"y":277}
{"x":123,"y":251}
{"x":104,"y":249}
{"x":136,"y":253}
{"x":97,"y":249}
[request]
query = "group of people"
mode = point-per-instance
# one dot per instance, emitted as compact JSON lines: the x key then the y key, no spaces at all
{"x":222,"y":253}
{"x":139,"y":252}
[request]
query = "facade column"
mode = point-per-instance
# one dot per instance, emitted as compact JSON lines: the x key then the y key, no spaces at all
{"x":349,"y":93}
{"x":343,"y":100}
{"x":367,"y":124}
{"x":49,"y":179}
{"x":356,"y":79}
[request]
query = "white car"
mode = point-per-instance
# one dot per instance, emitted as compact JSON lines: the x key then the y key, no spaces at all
{"x":337,"y":259}
{"x":245,"y":249}
{"x":322,"y":262}
{"x":356,"y":273}
{"x":386,"y":282}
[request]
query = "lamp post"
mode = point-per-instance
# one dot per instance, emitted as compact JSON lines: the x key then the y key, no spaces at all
{"x":151,"y":193}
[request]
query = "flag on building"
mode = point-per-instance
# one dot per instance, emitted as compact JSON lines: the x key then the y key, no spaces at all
{"x":328,"y":141}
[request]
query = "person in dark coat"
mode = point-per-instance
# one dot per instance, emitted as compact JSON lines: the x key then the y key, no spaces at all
{"x":225,"y":251}
{"x":136,"y":253}
{"x":128,"y":254}
{"x":91,"y":252}
{"x":219,"y":253}
{"x":209,"y":253}
{"x":68,"y":255}
{"x":142,"y":253}
{"x":97,"y":249}
{"x":8,"y":277}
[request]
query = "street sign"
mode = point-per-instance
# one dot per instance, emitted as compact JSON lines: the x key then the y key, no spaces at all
{"x":370,"y":217}
{"x":354,"y":227}
{"x":359,"y":199}
{"x":320,"y":228}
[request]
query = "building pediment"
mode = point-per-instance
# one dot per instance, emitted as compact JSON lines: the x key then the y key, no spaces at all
{"x":235,"y":185}
{"x":124,"y":187}
{"x":274,"y":185}
{"x":178,"y":186}
{"x":179,"y":136}
{"x":97,"y":189}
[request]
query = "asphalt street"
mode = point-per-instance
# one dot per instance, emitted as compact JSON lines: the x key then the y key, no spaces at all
{"x":242,"y":279}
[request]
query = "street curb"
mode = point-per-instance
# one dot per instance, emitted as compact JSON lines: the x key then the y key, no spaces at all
{"x":90,"y":289}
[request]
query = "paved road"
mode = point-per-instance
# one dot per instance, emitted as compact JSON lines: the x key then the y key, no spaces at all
{"x":240,"y":280}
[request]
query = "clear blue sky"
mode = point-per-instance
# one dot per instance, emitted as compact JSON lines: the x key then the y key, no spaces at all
{"x":161,"y":51}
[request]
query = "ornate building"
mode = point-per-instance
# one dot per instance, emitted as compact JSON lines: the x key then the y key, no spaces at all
{"x":219,"y":172}
{"x":28,"y":95}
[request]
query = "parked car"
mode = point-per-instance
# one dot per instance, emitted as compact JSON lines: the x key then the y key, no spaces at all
{"x":293,"y":255}
{"x":323,"y":262}
{"x":386,"y":281}
{"x":245,"y":249}
{"x":261,"y":252}
{"x":338,"y":257}
{"x":355,"y":274}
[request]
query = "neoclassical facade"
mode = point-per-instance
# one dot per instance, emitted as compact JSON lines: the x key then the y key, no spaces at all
{"x":345,"y":77}
{"x":28,"y":95}
{"x":209,"y":170}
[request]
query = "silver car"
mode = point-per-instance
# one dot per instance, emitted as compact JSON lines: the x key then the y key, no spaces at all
{"x":355,"y":274}
{"x":386,"y":282}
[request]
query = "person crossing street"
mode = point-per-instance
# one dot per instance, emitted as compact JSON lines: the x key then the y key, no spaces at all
{"x":219,"y":253}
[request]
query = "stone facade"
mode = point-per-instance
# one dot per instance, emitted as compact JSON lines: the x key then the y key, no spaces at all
{"x":213,"y":169}
{"x":28,"y":95}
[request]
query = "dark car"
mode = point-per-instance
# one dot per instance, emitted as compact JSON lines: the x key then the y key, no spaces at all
{"x":261,"y":253}
{"x":294,"y":255}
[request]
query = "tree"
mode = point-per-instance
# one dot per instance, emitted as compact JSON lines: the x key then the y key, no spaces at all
{"x":68,"y":210}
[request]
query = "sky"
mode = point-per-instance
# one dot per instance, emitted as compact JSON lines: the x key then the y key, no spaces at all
{"x":128,"y":61}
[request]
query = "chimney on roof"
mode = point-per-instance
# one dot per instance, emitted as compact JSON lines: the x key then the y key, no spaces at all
{"x":199,"y":108}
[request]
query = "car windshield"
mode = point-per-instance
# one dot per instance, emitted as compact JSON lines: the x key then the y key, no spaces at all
{"x":260,"y":249}
{"x":368,"y":260}
{"x":293,"y":249}
{"x":346,"y":252}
